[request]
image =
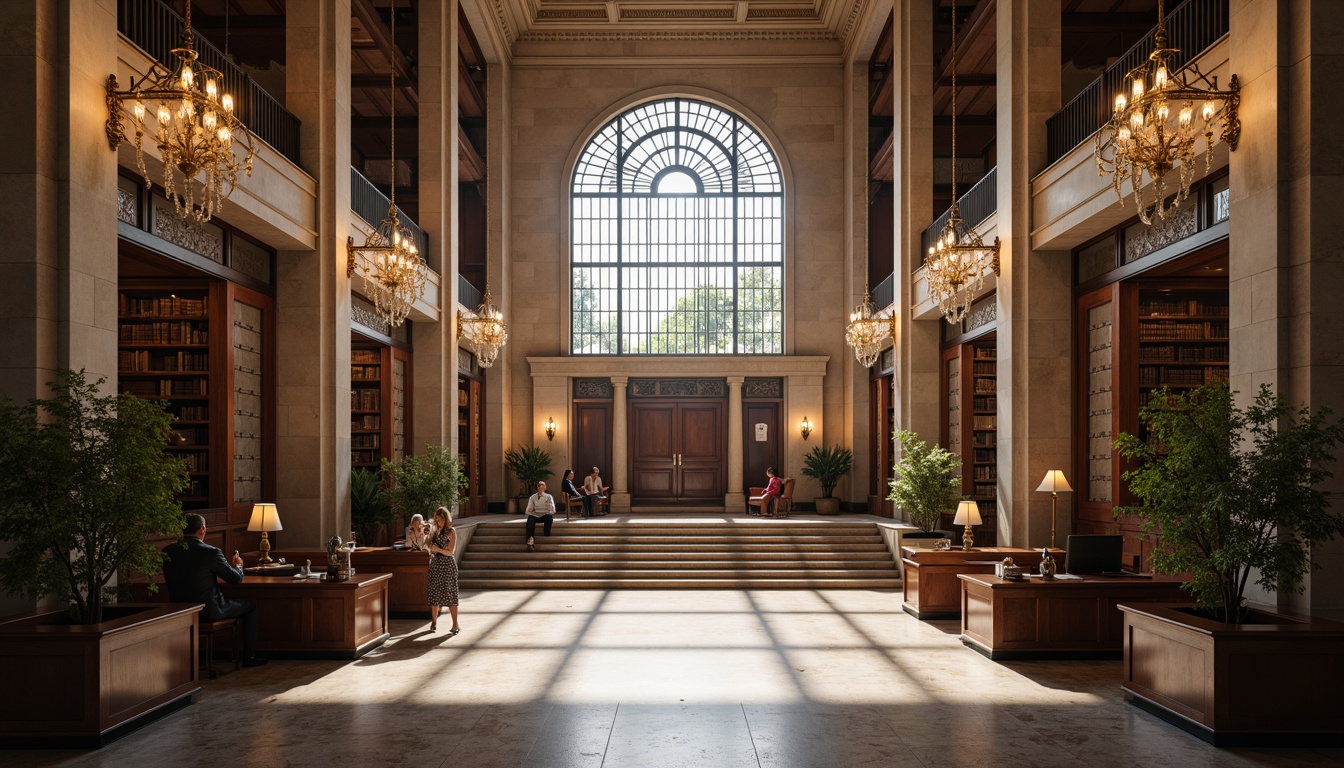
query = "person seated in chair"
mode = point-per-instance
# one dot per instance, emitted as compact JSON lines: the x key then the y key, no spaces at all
{"x":773,"y":489}
{"x":190,"y":568}
{"x":592,"y":486}
{"x":417,"y":533}
{"x":567,"y":486}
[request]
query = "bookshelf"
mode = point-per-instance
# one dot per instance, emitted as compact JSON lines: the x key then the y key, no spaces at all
{"x":1182,"y":339}
{"x":970,"y":427}
{"x":163,"y":353}
{"x":366,"y":406}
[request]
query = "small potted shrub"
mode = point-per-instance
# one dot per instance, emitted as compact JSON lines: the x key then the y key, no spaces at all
{"x":422,"y":483}
{"x":85,"y":488}
{"x":827,"y":466}
{"x":531,"y":465}
{"x":369,"y":508}
{"x":1233,"y":495}
{"x":926,"y":484}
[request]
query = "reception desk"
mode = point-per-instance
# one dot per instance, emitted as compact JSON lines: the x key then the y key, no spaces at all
{"x":407,"y":593}
{"x":929,"y":576}
{"x":1074,"y":619}
{"x":315,"y":619}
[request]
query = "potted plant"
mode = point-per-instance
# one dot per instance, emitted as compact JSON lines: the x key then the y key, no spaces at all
{"x":85,"y":487}
{"x":369,"y":508}
{"x":422,"y":483}
{"x":1232,"y":495}
{"x":827,"y":466}
{"x":926,"y":484}
{"x":530,"y":465}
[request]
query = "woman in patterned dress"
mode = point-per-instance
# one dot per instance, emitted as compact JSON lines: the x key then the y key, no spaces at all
{"x":443,"y":570}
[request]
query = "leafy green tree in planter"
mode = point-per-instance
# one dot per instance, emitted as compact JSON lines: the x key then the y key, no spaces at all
{"x":422,"y":483}
{"x":926,"y":483}
{"x":827,"y":466}
{"x":84,"y":487}
{"x":1232,"y":492}
{"x":369,"y":509}
{"x":530,"y":465}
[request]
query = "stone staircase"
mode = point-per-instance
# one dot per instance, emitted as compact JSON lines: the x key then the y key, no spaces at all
{"x":747,"y":554}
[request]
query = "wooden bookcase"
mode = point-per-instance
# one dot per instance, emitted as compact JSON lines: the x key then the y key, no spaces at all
{"x":379,"y":403}
{"x":970,"y":427}
{"x":471,"y":441}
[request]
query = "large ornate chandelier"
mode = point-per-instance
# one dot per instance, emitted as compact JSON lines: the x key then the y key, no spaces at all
{"x":389,"y":260}
{"x":191,"y":120}
{"x":484,"y":329}
{"x":959,"y":261}
{"x":866,"y":331}
{"x":1156,"y":127}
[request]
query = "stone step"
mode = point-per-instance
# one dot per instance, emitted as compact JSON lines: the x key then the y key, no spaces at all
{"x":756,"y":527}
{"x":535,"y":574}
{"x":675,"y":539}
{"x":684,"y":583}
{"x":551,"y":544}
{"x":474,"y":565}
{"x":558,"y":554}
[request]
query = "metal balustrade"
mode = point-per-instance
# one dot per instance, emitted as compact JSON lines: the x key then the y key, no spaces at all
{"x":370,"y":204}
{"x":977,"y":204}
{"x":1192,"y":27}
{"x":157,"y":30}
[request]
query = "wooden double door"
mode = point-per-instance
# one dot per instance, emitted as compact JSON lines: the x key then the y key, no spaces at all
{"x":678,"y":451}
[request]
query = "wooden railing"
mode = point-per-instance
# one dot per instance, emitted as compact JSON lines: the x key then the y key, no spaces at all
{"x":977,"y":204}
{"x":370,"y":204}
{"x":157,"y":29}
{"x":1192,"y":27}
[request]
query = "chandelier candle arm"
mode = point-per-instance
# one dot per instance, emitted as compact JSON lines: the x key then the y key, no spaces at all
{"x":185,"y":112}
{"x":1153,"y":130}
{"x":866,"y":331}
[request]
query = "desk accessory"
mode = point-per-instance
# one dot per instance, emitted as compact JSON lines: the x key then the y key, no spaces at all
{"x":265,"y":518}
{"x":1054,"y":484}
{"x":968,"y":514}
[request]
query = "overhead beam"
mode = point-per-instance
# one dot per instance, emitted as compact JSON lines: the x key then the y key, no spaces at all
{"x":1107,"y":22}
{"x":968,"y":81}
{"x":380,"y":81}
{"x":981,"y":22}
{"x":382,"y":38}
{"x":988,"y":121}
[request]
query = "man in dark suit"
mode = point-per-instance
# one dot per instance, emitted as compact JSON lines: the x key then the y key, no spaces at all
{"x":190,"y":569}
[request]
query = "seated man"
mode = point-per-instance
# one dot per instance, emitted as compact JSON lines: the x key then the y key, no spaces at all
{"x":190,"y":568}
{"x":593,"y":487}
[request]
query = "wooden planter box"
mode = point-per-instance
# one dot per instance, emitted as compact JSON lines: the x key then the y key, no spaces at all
{"x":1273,"y":683}
{"x":84,"y":686}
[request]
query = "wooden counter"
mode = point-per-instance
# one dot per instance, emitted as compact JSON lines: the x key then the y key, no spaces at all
{"x":314,"y":619}
{"x":929,"y":577}
{"x":408,"y":592}
{"x":1074,"y":619}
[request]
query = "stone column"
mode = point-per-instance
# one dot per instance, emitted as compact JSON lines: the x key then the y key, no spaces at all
{"x":915,"y":399}
{"x":1287,"y":324}
{"x":58,"y":181}
{"x":500,"y":397}
{"x":620,"y":442}
{"x":312,"y":291}
{"x":1034,"y":299}
{"x":434,"y":343}
{"x":735,"y":500}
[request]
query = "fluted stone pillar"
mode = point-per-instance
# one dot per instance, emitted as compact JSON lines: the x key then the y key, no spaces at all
{"x":620,"y":442}
{"x":735,"y":500}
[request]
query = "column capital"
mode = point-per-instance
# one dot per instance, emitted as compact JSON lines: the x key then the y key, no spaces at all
{"x":620,"y":381}
{"x":736,"y":381}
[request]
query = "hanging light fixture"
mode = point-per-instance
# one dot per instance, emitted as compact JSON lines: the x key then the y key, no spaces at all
{"x":959,"y":261}
{"x":187,"y":114}
{"x":389,"y":260}
{"x":484,"y":328}
{"x":866,"y":331}
{"x":1155,"y":128}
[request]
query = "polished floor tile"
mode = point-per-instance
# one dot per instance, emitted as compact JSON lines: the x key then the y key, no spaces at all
{"x":654,"y":679}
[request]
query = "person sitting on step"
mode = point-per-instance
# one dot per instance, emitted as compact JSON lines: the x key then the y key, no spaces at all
{"x":540,"y":506}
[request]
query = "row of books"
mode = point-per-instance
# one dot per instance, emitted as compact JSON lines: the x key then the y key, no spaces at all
{"x":365,"y":372}
{"x":371,"y":421}
{"x":370,"y":440}
{"x":986,"y":386}
{"x":984,"y":403}
{"x":179,"y":332}
{"x":985,"y":422}
{"x":1154,"y":354}
{"x":1192,"y":307}
{"x":364,"y":457}
{"x":1153,"y":376}
{"x":168,"y":388}
{"x":1178,"y":331}
{"x":364,"y":399}
{"x":365,"y":356}
{"x":166,"y":362}
{"x":985,"y":368}
{"x":189,"y":436}
{"x":161,"y":306}
{"x":986,"y":473}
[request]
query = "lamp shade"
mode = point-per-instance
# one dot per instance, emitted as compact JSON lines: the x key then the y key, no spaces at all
{"x":968,"y":513}
{"x":1054,"y":482}
{"x":265,"y":517}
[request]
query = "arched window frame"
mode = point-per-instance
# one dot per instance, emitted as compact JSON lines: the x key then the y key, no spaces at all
{"x":715,"y":286}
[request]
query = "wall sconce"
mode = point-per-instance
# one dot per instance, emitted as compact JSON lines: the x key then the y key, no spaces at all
{"x":550,"y":428}
{"x":805,"y":427}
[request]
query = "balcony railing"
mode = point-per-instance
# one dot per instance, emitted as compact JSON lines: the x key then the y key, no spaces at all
{"x":467,"y":294}
{"x":1192,"y":27}
{"x":157,"y":29}
{"x":977,"y":204}
{"x":371,"y":205}
{"x":884,"y":293}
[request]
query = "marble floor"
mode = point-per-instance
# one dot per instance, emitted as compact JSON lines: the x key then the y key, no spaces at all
{"x":777,"y":679}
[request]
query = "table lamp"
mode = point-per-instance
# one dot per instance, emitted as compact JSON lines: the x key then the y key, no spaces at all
{"x":1054,"y":484}
{"x":968,"y":514}
{"x":265,"y":518}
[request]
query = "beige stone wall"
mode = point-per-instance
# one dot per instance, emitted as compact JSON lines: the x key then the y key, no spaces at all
{"x":799,"y":109}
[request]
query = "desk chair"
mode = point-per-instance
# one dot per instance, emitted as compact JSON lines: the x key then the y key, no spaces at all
{"x":783,"y":504}
{"x":206,"y":631}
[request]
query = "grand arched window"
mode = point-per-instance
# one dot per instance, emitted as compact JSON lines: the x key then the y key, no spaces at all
{"x":677,"y":236}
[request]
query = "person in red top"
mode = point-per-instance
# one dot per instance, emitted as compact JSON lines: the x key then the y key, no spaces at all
{"x":773,"y":489}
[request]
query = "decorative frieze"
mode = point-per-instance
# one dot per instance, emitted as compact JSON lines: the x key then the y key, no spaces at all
{"x":593,"y":389}
{"x":762,"y":389}
{"x":1141,"y":241}
{"x":982,"y":313}
{"x":128,"y":206}
{"x":708,"y":388}
{"x":363,"y":313}
{"x":250,"y":259}
{"x":466,"y":362}
{"x":207,"y":240}
{"x":571,"y":14}
{"x":678,"y":13}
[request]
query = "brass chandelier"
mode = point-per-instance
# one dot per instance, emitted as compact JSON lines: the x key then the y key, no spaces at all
{"x":1156,"y":127}
{"x":484,"y":329}
{"x":191,"y":120}
{"x":389,"y":260}
{"x":959,"y":261}
{"x":866,"y":331}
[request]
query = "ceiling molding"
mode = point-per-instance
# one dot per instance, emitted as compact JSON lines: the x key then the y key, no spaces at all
{"x":662,"y":62}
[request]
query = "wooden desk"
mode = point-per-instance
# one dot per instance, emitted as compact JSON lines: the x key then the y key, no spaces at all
{"x":314,"y":619}
{"x":408,"y":592}
{"x":1037,"y":619}
{"x":929,"y":577}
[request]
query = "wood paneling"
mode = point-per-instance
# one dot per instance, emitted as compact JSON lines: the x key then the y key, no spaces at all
{"x":407,"y":592}
{"x":759,"y":455}
{"x":591,"y":444}
{"x":931,"y":587}
{"x":677,"y":451}
{"x":317,"y":619}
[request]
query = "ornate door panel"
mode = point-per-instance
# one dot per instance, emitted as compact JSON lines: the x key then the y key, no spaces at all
{"x":700,"y":458}
{"x":652,"y":450}
{"x":677,"y":451}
